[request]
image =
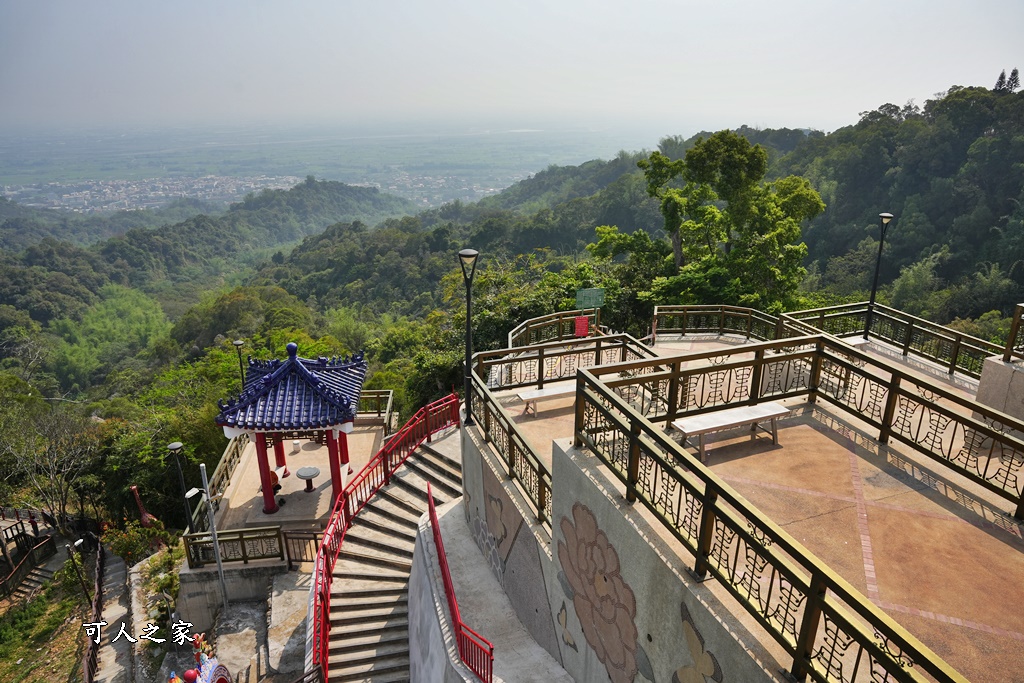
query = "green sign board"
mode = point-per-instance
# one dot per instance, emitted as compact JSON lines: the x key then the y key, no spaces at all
{"x":589,"y":298}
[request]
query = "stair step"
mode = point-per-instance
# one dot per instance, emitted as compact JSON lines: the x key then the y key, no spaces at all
{"x":399,"y":498}
{"x":388,"y":546}
{"x":376,"y":560}
{"x":397,"y":634}
{"x":437,"y":479}
{"x":415,"y":485}
{"x":356,"y":607}
{"x":386,"y":527}
{"x":378,"y":513}
{"x":365,"y":618}
{"x":395,"y":628}
{"x":362,"y":672}
{"x":399,"y":648}
{"x":454,"y":464}
{"x":382,"y":592}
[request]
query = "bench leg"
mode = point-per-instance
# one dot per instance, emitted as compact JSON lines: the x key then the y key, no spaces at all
{"x":526,"y":408}
{"x":775,"y":433}
{"x":700,"y":448}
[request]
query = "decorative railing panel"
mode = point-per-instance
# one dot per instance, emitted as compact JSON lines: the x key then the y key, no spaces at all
{"x":747,"y":322}
{"x":475,"y":650}
{"x":220,"y":480}
{"x":521,"y":463}
{"x":300,"y":546}
{"x":236,"y":545}
{"x":831,"y":631}
{"x":361,"y":488}
{"x":552,"y":327}
{"x":554,"y":361}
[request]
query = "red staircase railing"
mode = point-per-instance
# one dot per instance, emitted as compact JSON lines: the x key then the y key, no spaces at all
{"x":432,"y":418}
{"x":475,"y":650}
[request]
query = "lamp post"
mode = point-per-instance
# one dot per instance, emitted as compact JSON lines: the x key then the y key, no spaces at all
{"x":213,"y":530}
{"x":175,"y":449}
{"x":467,"y":259}
{"x":883,"y":221}
{"x":241,"y":371}
{"x":71,"y":556}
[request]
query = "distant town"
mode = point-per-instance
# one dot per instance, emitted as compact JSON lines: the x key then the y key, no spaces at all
{"x":91,"y":196}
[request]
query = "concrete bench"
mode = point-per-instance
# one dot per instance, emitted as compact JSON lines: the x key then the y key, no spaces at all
{"x":699,"y":425}
{"x":531,"y":397}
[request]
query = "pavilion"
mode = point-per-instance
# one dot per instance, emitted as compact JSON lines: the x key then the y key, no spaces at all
{"x":296,"y":398}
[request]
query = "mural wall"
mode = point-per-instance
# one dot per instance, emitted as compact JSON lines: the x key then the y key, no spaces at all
{"x":606,"y":596}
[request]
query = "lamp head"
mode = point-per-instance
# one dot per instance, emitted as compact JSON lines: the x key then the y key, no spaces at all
{"x":467,"y":259}
{"x":238,"y":343}
{"x":175,"y":447}
{"x":885,"y":218}
{"x":78,"y":543}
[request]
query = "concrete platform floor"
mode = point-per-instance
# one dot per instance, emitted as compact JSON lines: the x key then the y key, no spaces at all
{"x":242,"y":505}
{"x":939,"y":554}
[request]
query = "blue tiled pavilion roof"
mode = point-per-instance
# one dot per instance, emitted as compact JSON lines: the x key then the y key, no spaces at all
{"x":296,"y":394}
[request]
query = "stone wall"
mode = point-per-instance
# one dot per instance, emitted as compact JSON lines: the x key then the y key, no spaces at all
{"x":607,"y":596}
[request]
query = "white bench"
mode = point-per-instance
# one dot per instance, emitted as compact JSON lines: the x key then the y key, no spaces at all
{"x":699,"y":425}
{"x":531,"y":397}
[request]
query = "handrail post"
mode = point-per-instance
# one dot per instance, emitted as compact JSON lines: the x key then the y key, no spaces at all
{"x":890,"y":410}
{"x":755,"y":376}
{"x":1011,"y":341}
{"x":909,"y":337}
{"x":955,"y":356}
{"x":808,"y":628}
{"x":673,"y":392}
{"x":540,"y":365}
{"x":706,"y":535}
{"x":819,"y":352}
{"x":633,"y":466}
{"x":578,"y":425}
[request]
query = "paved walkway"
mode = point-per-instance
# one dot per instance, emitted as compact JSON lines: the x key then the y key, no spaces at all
{"x":115,"y":663}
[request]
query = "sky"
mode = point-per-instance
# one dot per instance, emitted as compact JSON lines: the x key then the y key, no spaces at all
{"x":667,"y":67}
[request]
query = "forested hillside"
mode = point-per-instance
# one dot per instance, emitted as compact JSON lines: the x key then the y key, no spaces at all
{"x":136,"y":330}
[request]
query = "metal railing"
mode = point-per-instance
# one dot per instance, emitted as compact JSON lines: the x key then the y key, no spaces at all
{"x":39,"y":552}
{"x":831,"y":631}
{"x":955,"y":351}
{"x":300,"y":546}
{"x":357,"y":493}
{"x":220,"y":480}
{"x":90,"y":660}
{"x":236,"y":545}
{"x":552,"y":327}
{"x":748,"y":322}
{"x":476,"y":651}
{"x":1014,"y":348}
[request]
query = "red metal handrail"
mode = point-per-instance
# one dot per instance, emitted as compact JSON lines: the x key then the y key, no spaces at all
{"x":432,"y":418}
{"x":475,"y":650}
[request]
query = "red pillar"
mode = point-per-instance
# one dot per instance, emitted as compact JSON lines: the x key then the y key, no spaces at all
{"x":332,"y":457}
{"x":343,"y":448}
{"x":269,"y":503}
{"x":279,"y":455}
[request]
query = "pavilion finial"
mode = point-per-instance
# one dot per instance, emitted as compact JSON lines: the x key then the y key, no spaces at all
{"x":293,"y":349}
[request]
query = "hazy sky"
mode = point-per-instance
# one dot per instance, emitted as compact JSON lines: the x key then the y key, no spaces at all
{"x":667,"y":67}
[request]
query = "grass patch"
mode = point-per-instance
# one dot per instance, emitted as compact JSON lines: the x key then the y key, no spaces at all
{"x":43,"y":641}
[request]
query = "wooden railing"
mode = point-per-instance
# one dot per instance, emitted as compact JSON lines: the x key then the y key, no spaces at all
{"x":748,"y":322}
{"x":1014,"y":349}
{"x":475,"y":650}
{"x":357,"y":493}
{"x":552,"y":327}
{"x":831,"y":631}
{"x":220,"y":480}
{"x":236,"y":545}
{"x":376,"y":407}
{"x":300,"y":546}
{"x":35,"y":556}
{"x":90,"y":660}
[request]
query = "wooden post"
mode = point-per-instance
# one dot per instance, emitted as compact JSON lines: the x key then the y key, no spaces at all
{"x":578,"y":425}
{"x":706,"y":534}
{"x":955,"y":355}
{"x":909,"y":337}
{"x":819,"y":351}
{"x":540,"y":365}
{"x":755,"y":377}
{"x":808,"y":628}
{"x":633,"y":466}
{"x":890,"y":410}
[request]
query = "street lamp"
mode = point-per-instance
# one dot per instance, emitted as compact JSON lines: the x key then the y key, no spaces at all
{"x":467,"y":259}
{"x":241,"y":371}
{"x":71,"y":556}
{"x":175,"y":449}
{"x":883,"y":220}
{"x":213,"y":529}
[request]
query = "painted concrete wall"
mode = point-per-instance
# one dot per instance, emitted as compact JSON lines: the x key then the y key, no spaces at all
{"x":606,"y":596}
{"x":433,"y":654}
{"x":1002,"y":386}
{"x":199,"y":596}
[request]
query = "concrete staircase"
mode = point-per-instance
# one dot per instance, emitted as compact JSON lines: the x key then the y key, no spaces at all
{"x":370,"y":590}
{"x":32,"y":583}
